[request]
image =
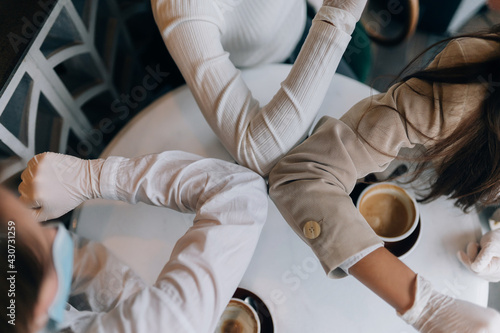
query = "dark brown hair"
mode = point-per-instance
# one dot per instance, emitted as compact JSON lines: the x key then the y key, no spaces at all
{"x":466,"y":163}
{"x":30,"y":265}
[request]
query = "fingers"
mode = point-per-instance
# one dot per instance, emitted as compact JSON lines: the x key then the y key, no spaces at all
{"x":494,"y":270}
{"x":24,"y":175}
{"x":482,"y":260}
{"x":38,"y":186}
{"x":490,"y":236}
{"x":491,"y":270}
{"x":30,"y":203}
{"x":27,"y":196}
{"x":468,"y":257}
{"x":35,"y":205}
{"x":464,"y":259}
{"x":484,"y":263}
{"x":472,"y":250}
{"x":33,"y":162}
{"x":40,"y":215}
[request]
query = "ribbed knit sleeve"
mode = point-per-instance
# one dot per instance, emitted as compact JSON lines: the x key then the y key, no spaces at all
{"x":256,"y":136}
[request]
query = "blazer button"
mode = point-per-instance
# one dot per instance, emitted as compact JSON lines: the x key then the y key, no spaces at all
{"x":311,"y":229}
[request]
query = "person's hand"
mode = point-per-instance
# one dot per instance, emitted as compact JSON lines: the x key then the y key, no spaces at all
{"x":355,"y":7}
{"x":53,"y":184}
{"x":484,"y":259}
{"x":433,"y":312}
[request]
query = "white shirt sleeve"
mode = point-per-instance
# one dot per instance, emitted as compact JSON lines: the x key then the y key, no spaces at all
{"x":207,"y":263}
{"x":256,"y":136}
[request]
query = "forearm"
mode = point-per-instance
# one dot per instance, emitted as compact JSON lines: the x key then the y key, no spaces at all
{"x":153,"y":179}
{"x":313,"y":182}
{"x":387,"y":277}
{"x":415,"y":300}
{"x":255,"y":136}
{"x":209,"y":260}
{"x":174,"y":179}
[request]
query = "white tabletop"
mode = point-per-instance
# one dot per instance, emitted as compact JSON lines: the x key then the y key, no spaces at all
{"x":284,"y":272}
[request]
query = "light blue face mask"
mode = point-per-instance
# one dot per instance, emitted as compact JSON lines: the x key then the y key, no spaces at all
{"x":62,"y":255}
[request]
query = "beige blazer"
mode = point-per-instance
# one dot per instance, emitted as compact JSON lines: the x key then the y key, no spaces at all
{"x":311,"y":184}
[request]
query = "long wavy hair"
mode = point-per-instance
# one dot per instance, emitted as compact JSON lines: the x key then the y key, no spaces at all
{"x":466,"y":163}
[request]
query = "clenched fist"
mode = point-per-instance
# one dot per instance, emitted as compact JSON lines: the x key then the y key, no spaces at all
{"x":53,"y":184}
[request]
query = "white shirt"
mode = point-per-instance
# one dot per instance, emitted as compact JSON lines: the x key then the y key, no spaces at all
{"x":207,"y":39}
{"x":206,"y":264}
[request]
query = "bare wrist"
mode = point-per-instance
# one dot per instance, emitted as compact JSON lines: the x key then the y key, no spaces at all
{"x":388,"y":277}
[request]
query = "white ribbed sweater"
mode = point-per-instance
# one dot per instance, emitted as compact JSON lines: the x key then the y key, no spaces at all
{"x":207,"y":39}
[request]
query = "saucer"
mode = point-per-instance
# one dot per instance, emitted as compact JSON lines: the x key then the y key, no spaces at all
{"x":265,"y":317}
{"x":356,"y":191}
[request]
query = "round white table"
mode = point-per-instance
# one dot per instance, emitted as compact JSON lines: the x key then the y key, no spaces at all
{"x":284,"y":272}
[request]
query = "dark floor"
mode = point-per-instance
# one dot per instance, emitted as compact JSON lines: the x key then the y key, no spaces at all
{"x":387,"y":62}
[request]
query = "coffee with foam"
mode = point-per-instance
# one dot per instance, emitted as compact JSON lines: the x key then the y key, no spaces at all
{"x":389,"y":210}
{"x":238,"y":317}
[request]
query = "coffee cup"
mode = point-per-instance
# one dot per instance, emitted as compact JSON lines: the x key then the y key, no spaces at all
{"x":238,"y":317}
{"x":390,"y":210}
